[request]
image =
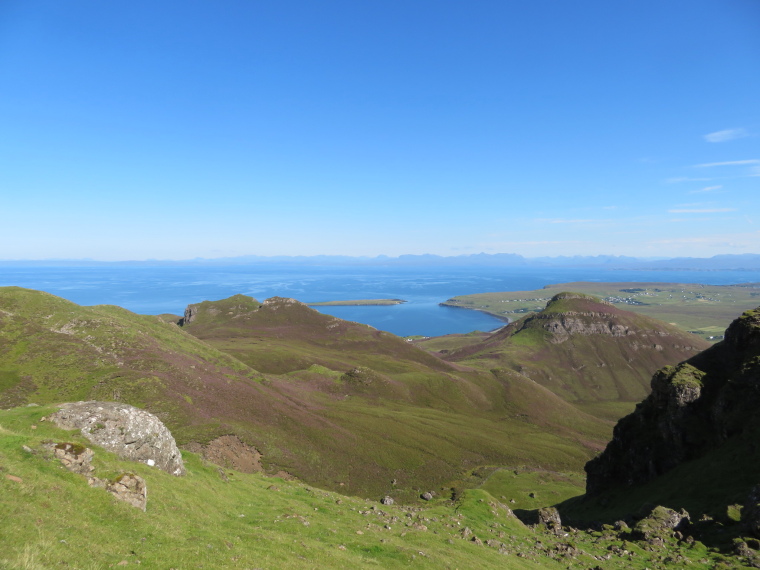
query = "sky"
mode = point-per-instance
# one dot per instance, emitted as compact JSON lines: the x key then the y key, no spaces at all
{"x":175,"y":130}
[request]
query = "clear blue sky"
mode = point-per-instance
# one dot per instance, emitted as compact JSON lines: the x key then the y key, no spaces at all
{"x":174,"y":130}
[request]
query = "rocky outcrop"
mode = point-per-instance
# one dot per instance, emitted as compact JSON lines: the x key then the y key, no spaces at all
{"x":130,"y":432}
{"x":190,"y":313}
{"x":661,"y":522}
{"x":127,"y":487}
{"x":693,"y":408}
{"x":549,"y":516}
{"x":76,"y":458}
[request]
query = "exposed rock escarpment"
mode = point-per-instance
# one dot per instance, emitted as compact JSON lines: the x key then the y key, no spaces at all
{"x":694,"y":407}
{"x":129,"y":432}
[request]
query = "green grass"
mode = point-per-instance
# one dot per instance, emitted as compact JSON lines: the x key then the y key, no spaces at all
{"x":516,"y":485}
{"x":51,"y":519}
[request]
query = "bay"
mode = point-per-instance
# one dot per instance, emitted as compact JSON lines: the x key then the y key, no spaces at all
{"x":157,"y":289}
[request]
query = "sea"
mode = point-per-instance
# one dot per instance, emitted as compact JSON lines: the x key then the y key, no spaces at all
{"x":157,"y":289}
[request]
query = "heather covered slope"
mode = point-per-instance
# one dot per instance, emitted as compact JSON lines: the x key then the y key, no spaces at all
{"x":390,"y":399}
{"x":584,"y":350}
{"x":355,"y":408}
{"x":283,"y":335}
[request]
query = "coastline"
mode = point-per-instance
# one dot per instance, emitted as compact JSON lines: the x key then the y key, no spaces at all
{"x":501,"y":317}
{"x":359,"y":303}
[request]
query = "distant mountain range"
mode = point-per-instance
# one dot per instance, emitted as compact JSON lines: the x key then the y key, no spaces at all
{"x":747,"y":261}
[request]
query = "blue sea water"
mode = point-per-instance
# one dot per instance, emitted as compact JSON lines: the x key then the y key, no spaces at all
{"x":169,"y":289}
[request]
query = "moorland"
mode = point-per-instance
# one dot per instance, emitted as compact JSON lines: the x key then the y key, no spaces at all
{"x":479,"y":440}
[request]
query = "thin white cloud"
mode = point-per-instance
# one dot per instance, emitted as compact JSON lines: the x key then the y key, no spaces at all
{"x":706,"y":189}
{"x":728,"y":163}
{"x":701,"y":210}
{"x":726,"y":135}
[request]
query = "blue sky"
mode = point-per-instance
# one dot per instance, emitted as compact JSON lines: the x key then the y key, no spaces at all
{"x":174,"y":130}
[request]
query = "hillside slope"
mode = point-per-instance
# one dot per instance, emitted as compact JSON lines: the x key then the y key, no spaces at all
{"x":584,"y":350}
{"x":352,"y":408}
{"x":221,"y":518}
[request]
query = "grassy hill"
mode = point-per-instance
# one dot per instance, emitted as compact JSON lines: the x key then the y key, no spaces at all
{"x":704,"y":310}
{"x":214,"y":518}
{"x":496,"y":421}
{"x":586,"y":351}
{"x":337,"y":404}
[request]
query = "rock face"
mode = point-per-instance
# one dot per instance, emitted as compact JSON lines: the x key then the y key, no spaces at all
{"x":693,"y":407}
{"x":129,"y":432}
{"x":751,"y":511}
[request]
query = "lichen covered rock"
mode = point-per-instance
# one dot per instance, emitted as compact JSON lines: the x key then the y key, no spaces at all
{"x":130,"y":432}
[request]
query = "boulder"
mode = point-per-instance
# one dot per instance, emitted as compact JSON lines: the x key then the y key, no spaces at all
{"x":660,"y":523}
{"x":130,"y":432}
{"x":130,"y":488}
{"x":76,"y":458}
{"x":549,"y":516}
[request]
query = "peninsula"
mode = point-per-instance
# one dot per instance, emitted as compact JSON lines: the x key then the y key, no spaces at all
{"x":358,"y":302}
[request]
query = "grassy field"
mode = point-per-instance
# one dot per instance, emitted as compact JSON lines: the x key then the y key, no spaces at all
{"x":214,"y":518}
{"x":705,"y":310}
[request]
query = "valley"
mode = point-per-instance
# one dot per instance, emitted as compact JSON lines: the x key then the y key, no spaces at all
{"x":493,"y":427}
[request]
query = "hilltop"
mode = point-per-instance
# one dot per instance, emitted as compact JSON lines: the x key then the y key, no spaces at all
{"x":704,"y":310}
{"x":586,"y":351}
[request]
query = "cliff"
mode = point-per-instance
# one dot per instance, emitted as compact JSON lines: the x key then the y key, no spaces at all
{"x":694,"y":408}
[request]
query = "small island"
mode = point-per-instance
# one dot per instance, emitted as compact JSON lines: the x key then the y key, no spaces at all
{"x":358,"y":302}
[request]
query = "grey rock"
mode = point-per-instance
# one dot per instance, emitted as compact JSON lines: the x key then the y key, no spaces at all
{"x":387,"y":500}
{"x":660,"y":522}
{"x":549,"y":516}
{"x":130,"y":488}
{"x":428,"y":496}
{"x":76,"y":458}
{"x":130,"y":432}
